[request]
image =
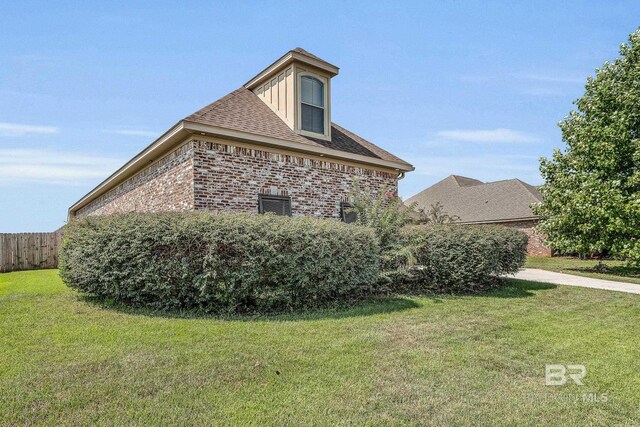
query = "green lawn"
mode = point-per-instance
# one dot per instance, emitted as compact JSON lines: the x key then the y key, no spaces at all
{"x":405,"y":361}
{"x":615,"y":270}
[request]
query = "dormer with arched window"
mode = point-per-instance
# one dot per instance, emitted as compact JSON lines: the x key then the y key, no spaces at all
{"x":268,"y":146}
{"x":297,"y":87}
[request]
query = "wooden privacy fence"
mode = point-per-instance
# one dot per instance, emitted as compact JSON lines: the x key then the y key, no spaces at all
{"x":29,"y":251}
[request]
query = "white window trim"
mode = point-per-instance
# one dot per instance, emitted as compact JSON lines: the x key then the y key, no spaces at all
{"x":327,"y":122}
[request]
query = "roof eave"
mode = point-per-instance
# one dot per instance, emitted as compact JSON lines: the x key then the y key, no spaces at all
{"x":296,"y":146}
{"x":146,"y":156}
{"x":184,"y":128}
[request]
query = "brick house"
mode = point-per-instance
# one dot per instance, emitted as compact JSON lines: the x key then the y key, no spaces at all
{"x":269,"y":146}
{"x":506,"y":203}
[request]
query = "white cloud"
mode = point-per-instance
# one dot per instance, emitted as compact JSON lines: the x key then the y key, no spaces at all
{"x":13,"y":129}
{"x":481,"y":135}
{"x":133,"y":132}
{"x":542,"y":91}
{"x":487,"y":165}
{"x":556,"y":78}
{"x":55,"y":167}
{"x":543,"y":83}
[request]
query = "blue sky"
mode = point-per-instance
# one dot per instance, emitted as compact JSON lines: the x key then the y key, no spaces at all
{"x":469,"y":88}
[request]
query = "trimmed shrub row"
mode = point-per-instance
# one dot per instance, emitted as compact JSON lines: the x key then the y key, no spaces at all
{"x":243,"y":263}
{"x":462,"y":258}
{"x":230,"y":263}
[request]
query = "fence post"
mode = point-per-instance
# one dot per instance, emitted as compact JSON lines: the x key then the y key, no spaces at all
{"x":3,"y":253}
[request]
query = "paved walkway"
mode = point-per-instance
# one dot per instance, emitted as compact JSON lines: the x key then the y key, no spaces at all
{"x":536,"y":275}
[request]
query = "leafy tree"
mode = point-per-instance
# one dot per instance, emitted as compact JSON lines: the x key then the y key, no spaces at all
{"x":386,"y":215}
{"x":592,"y":189}
{"x":384,"y":212}
{"x":437,"y":215}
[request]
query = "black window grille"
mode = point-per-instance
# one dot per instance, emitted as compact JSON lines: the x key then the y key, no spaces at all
{"x":279,"y":205}
{"x":347,"y":213}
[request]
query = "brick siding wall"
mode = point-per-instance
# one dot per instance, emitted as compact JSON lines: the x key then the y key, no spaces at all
{"x":535,"y":247}
{"x":166,"y":185}
{"x":222,"y":176}
{"x":231,"y":177}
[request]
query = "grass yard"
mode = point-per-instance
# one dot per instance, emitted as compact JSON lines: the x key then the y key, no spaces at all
{"x":615,"y":270}
{"x":405,"y":361}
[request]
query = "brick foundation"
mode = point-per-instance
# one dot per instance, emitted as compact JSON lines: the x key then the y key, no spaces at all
{"x":206,"y":175}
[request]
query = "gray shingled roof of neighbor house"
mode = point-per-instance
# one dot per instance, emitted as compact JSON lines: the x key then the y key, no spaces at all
{"x":475,"y":201}
{"x":243,"y":111}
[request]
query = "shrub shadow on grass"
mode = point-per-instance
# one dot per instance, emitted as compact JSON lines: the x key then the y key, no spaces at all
{"x":516,"y":288}
{"x":371,"y":307}
{"x":502,"y":288}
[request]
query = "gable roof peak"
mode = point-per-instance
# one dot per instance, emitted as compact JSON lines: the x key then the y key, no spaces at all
{"x":297,"y":54}
{"x":464,"y":181}
{"x":305,"y":52}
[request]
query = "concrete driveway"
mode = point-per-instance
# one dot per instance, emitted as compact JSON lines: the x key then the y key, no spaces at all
{"x":536,"y":275}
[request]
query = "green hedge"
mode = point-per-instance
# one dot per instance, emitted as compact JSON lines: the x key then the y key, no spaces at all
{"x":462,"y":258}
{"x":233,"y":263}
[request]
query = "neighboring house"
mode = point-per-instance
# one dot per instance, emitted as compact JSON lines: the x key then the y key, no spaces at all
{"x":269,"y":146}
{"x":505,"y":203}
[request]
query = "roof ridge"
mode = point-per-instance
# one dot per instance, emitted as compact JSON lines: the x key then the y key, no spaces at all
{"x":530,"y":189}
{"x":447,"y":178}
{"x":465,"y":181}
{"x":208,"y":107}
{"x":502,"y":180}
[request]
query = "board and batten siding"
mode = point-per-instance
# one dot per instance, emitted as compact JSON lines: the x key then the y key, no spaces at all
{"x":278,"y":94}
{"x":29,"y":251}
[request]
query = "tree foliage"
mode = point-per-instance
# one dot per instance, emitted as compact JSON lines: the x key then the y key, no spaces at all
{"x":437,"y":215}
{"x":424,"y":251}
{"x":383,"y":211}
{"x":592,"y":189}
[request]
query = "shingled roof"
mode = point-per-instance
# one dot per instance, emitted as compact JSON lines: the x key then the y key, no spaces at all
{"x":243,"y":111}
{"x":475,"y":201}
{"x":243,"y":117}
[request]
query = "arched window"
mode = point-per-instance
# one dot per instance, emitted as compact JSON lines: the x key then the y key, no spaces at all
{"x":312,"y":105}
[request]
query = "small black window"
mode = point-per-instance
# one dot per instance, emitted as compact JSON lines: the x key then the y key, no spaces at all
{"x":347,"y":212}
{"x":277,"y":204}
